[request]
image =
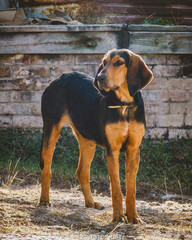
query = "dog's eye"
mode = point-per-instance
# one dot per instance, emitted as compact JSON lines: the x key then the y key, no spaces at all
{"x":118,"y":63}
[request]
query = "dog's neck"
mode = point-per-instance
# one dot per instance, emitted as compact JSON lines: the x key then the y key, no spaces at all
{"x":125,"y":101}
{"x":123,"y":94}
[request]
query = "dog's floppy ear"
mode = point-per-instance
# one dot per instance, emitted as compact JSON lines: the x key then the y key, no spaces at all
{"x":138,"y":74}
{"x":95,"y":83}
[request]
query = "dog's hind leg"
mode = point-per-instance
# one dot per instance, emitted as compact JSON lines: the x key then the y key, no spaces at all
{"x":50,"y":136}
{"x":87,"y":150}
{"x":48,"y":147}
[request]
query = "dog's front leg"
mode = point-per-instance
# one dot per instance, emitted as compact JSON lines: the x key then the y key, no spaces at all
{"x":136,"y":134}
{"x":117,"y":197}
{"x":132,"y":164}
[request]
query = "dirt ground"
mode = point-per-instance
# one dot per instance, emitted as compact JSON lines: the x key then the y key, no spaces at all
{"x":67,"y":218}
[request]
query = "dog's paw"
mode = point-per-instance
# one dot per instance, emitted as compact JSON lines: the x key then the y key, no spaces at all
{"x":135,"y":220}
{"x":95,"y":205}
{"x":44,"y":203}
{"x":98,"y":206}
{"x":120,"y":218}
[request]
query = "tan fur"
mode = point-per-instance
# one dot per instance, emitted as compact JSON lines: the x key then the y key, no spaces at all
{"x":116,"y":134}
{"x":115,"y":75}
{"x":135,"y":133}
{"x":86,"y":149}
{"x":46,"y":155}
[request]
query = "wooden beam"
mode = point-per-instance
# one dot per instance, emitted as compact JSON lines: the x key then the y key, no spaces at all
{"x":61,"y":43}
{"x":161,"y":42}
{"x":95,"y":39}
{"x":95,"y":28}
{"x":64,"y":28}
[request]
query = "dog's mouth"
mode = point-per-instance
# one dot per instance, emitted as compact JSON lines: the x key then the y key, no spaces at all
{"x":103,"y":86}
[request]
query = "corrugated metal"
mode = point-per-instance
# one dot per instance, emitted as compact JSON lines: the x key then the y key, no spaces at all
{"x":131,"y":11}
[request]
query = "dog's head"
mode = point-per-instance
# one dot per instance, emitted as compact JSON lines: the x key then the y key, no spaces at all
{"x":119,"y":66}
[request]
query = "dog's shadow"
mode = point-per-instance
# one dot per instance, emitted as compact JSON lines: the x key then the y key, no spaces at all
{"x":76,"y":218}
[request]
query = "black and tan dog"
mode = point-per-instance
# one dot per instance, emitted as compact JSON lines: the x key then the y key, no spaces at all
{"x":110,"y":114}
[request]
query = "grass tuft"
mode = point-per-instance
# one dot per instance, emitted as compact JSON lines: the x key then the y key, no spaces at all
{"x":166,"y":165}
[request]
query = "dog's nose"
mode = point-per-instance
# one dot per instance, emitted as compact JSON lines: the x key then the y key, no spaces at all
{"x":101,"y":77}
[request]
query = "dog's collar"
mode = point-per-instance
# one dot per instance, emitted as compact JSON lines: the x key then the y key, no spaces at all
{"x":124,"y":106}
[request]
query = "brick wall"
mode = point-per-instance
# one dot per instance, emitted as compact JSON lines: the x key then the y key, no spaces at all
{"x":168,"y":99}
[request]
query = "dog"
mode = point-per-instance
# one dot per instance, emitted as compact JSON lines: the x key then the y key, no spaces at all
{"x":107,"y":111}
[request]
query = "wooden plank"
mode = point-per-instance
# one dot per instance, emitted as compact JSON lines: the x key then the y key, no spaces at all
{"x":59,"y":40}
{"x":158,"y":28}
{"x":94,"y":27}
{"x":63,"y":28}
{"x":161,"y":42}
{"x":68,"y":43}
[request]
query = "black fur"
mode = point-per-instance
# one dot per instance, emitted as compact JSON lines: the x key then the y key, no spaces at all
{"x":74,"y":94}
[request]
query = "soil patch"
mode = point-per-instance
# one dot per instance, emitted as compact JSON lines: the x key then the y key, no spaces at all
{"x":67,"y":218}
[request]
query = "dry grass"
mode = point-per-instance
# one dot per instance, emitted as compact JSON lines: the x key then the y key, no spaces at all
{"x":21,"y":218}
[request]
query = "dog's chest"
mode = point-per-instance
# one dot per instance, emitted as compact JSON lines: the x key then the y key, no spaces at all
{"x":117,"y":133}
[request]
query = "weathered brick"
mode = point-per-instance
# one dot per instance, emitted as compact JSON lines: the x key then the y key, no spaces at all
{"x":188,"y":119}
{"x":15,"y":84}
{"x":5,"y":96}
{"x":41,"y":71}
{"x":27,"y":121}
{"x":180,"y":108}
{"x":159,"y":107}
{"x":179,"y":83}
{"x":174,"y":96}
{"x":57,"y":71}
{"x":154,"y":59}
{"x":31,"y":71}
{"x":180,"y":133}
{"x":167,"y":71}
{"x":151,"y":120}
{"x":154,"y":85}
{"x":151,"y":95}
{"x":158,"y":83}
{"x":26,"y":96}
{"x":5,"y":71}
{"x":169,"y":95}
{"x":89,"y":59}
{"x":20,"y":108}
{"x":187,"y":71}
{"x":5,"y":121}
{"x":190,"y":95}
{"x":170,"y":120}
{"x":22,"y":59}
{"x":85,"y":69}
{"x":7,"y":59}
{"x":41,"y":84}
{"x":174,"y":60}
{"x":53,"y":60}
{"x":159,"y":133}
{"x":186,"y":59}
{"x":187,"y":83}
{"x":15,"y":108}
{"x":21,"y":72}
{"x":36,"y":109}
